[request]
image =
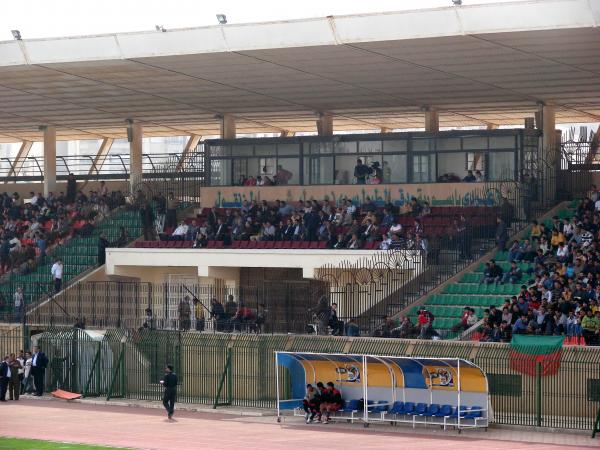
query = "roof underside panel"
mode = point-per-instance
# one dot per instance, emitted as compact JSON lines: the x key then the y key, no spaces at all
{"x":481,"y":64}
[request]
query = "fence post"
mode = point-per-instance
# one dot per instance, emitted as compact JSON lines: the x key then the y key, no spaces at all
{"x":538,"y":394}
{"x":120,"y":291}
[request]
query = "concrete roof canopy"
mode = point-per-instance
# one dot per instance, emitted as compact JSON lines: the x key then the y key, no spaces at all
{"x":475,"y":64}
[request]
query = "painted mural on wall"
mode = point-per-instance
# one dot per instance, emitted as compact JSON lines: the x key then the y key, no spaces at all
{"x":446,"y":194}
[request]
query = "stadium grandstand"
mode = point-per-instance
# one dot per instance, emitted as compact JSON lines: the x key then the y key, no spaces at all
{"x":416,"y":184}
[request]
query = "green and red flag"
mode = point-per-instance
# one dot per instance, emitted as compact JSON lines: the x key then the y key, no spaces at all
{"x":527,"y":351}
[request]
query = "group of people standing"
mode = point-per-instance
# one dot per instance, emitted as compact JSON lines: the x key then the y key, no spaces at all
{"x":22,"y":374}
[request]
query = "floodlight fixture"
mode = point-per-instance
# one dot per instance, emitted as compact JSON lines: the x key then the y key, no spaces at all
{"x":457,"y":2}
{"x":16,"y":34}
{"x":222,"y":18}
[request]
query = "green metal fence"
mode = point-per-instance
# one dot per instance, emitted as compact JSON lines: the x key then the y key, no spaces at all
{"x":238,"y":369}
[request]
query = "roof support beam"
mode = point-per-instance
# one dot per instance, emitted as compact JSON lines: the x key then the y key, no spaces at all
{"x":49,"y":159}
{"x":228,"y":130}
{"x":101,"y":156}
{"x":17,"y":165}
{"x":287,"y":133}
{"x":135,"y":155}
{"x":432,"y":120}
{"x":325,"y":125}
{"x":190,"y":145}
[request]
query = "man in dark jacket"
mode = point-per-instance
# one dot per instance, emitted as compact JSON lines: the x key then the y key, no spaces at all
{"x":5,"y":375}
{"x":501,"y":234}
{"x":39,"y":362}
{"x":169,"y":382}
{"x":361,"y":172}
{"x":102,"y":246}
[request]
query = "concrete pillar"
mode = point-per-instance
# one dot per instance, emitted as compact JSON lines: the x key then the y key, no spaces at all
{"x":432,"y":120}
{"x":325,"y":125}
{"x":135,"y":155}
{"x":548,"y":128}
{"x":228,"y":127}
{"x":49,"y":159}
{"x":550,"y":155}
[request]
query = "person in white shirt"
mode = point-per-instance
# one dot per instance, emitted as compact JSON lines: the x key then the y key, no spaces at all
{"x":396,"y":228}
{"x":597,"y":205}
{"x":562,"y":253}
{"x":18,"y":299}
{"x":57,"y":274}
{"x":180,"y":232}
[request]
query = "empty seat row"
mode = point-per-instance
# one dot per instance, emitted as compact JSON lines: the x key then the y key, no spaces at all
{"x":497,"y":289}
{"x":465,"y":300}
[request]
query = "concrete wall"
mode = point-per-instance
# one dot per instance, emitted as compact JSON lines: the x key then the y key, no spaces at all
{"x":437,"y":194}
{"x":219,"y":263}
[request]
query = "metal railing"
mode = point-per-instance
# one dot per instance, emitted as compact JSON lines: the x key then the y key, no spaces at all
{"x":218,"y":369}
{"x":114,"y":167}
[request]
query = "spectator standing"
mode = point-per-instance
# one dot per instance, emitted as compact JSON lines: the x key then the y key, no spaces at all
{"x":103,"y":244}
{"x":184,"y":312}
{"x":14,"y":388}
{"x":5,"y":374}
{"x":501,"y":234}
{"x":361,"y":172}
{"x":27,"y":383}
{"x":19,"y":300}
{"x":172,"y":203}
{"x":39,"y":362}
{"x":199,"y":314}
{"x":147,"y":216}
{"x":71,"y":188}
{"x":57,"y":274}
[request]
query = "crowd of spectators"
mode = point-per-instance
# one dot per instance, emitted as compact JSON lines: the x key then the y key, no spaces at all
{"x":347,"y":226}
{"x":30,"y":227}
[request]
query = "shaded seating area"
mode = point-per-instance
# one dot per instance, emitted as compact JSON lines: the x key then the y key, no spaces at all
{"x":446,"y":392}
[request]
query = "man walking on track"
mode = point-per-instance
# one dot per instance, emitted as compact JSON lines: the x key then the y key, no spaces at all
{"x":169,"y":382}
{"x":39,"y":362}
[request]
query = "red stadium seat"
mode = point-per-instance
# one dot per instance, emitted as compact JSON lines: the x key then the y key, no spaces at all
{"x":236,"y":244}
{"x":314,"y":245}
{"x":287,"y":244}
{"x":252,"y":244}
{"x":305,"y":245}
{"x":296,"y":244}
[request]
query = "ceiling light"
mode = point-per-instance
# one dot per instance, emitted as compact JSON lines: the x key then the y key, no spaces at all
{"x":16,"y":34}
{"x":222,"y":18}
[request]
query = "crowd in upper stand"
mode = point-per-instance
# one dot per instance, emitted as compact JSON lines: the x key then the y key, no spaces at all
{"x":30,"y":227}
{"x":343,"y":226}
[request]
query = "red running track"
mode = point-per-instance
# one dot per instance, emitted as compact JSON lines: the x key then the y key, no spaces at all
{"x":150,"y":429}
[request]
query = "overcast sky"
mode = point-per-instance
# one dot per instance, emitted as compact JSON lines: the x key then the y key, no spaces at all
{"x":51,"y":18}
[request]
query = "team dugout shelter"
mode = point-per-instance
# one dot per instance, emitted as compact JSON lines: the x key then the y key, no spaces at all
{"x":448,"y":392}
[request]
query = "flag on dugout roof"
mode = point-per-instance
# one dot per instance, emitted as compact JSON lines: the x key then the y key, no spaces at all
{"x":527,"y":351}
